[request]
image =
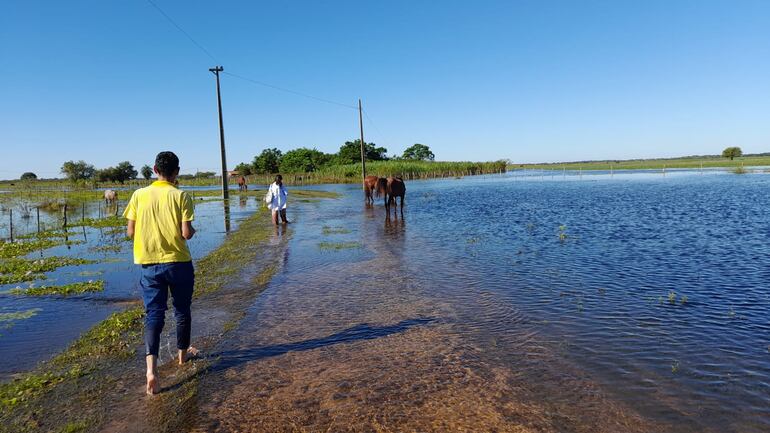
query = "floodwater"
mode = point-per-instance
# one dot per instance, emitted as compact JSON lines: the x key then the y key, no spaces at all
{"x":607,"y":303}
{"x":58,"y":321}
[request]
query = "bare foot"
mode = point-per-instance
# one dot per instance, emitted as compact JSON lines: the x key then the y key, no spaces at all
{"x":153,"y":386}
{"x":186,"y":355}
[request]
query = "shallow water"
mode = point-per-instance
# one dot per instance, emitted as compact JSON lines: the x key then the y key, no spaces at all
{"x":548,"y":303}
{"x":60,"y":320}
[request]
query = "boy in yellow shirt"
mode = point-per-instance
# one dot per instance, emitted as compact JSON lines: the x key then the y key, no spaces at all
{"x":160,"y":222}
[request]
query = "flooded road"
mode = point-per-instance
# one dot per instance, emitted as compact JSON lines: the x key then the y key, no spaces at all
{"x":536,"y":311}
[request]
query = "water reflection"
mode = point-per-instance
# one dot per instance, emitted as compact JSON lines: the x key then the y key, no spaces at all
{"x":226,"y":209}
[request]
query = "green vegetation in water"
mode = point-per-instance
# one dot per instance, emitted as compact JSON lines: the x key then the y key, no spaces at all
{"x":110,"y":221}
{"x":675,"y":366}
{"x":563,"y":233}
{"x":328,"y":230}
{"x":336,"y":246}
{"x":7,"y":320}
{"x":709,"y":161}
{"x":672,"y":297}
{"x":48,"y":234}
{"x":19,"y":248}
{"x":739,"y":170}
{"x":63,"y":290}
{"x":114,"y":337}
{"x":17,"y":267}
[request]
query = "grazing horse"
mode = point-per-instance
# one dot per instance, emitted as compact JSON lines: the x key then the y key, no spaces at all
{"x":242,"y":184}
{"x":110,"y":196}
{"x":392,"y":187}
{"x":370,"y":188}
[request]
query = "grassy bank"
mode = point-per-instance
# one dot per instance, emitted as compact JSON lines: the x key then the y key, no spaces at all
{"x":77,"y":389}
{"x":711,"y":161}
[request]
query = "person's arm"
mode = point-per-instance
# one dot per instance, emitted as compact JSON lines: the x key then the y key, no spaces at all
{"x":130,"y":228}
{"x":187,"y":230}
{"x":130,"y":214}
{"x":188,"y":215}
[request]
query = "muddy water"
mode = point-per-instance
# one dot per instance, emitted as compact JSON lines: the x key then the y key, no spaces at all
{"x":538,"y":305}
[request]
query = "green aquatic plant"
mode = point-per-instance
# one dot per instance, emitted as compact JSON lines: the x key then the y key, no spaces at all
{"x":22,"y":248}
{"x":63,"y":290}
{"x":16,"y":270}
{"x":563,"y":233}
{"x":336,"y":246}
{"x":328,"y":230}
{"x":110,"y":221}
{"x":739,"y":170}
{"x":47,"y":234}
{"x":672,"y":297}
{"x":683,"y":299}
{"x":675,"y":366}
{"x":7,"y":320}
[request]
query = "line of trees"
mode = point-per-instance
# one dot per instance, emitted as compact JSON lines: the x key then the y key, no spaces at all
{"x":81,"y":170}
{"x":303,"y":159}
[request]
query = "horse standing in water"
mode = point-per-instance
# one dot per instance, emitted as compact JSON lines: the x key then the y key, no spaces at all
{"x":392,"y":187}
{"x":242,"y":184}
{"x":370,"y":189}
{"x":110,"y":196}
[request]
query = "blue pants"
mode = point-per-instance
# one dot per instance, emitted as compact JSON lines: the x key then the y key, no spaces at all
{"x":156,"y":281}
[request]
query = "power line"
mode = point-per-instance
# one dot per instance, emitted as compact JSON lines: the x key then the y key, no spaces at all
{"x":211,"y":56}
{"x":294,"y":92}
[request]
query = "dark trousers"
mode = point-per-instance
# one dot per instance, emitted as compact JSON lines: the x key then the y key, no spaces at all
{"x":157,"y":280}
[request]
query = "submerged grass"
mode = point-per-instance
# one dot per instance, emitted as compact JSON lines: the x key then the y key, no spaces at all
{"x":327,"y":230}
{"x":63,"y":290}
{"x":336,"y":246}
{"x":16,"y":270}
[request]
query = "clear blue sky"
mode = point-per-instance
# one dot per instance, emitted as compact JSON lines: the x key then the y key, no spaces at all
{"x":107,"y":81}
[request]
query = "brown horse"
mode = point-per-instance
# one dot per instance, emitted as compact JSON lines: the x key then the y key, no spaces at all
{"x":370,"y":188}
{"x":392,"y":187}
{"x":242,"y":184}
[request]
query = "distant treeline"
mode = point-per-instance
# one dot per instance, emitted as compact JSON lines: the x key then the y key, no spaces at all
{"x":306,"y":160}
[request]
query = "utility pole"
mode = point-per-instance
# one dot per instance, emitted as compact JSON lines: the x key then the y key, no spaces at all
{"x":225,"y":193}
{"x":363,"y":155}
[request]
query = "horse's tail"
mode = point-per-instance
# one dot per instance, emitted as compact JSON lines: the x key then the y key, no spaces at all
{"x":382,"y":187}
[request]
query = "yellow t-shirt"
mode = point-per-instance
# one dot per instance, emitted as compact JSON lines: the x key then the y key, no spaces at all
{"x":159,"y":211}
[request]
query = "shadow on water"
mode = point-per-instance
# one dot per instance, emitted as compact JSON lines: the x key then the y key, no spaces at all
{"x":362,"y":332}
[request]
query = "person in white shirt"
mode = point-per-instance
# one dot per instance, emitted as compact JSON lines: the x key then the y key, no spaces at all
{"x":277,"y":203}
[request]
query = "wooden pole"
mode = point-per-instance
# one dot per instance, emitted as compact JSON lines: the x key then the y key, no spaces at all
{"x":10,"y":218}
{"x":225,"y":192}
{"x":65,"y":215}
{"x":363,"y":154}
{"x":38,"y":219}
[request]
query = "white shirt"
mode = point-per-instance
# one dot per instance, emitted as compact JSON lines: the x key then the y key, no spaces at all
{"x":279,"y":195}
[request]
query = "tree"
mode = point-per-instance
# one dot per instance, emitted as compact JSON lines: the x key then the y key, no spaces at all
{"x":28,"y":176}
{"x":303,"y":160}
{"x":419,"y":152}
{"x":350,"y":152}
{"x":244,"y":169}
{"x":122,"y":172}
{"x":78,"y":170}
{"x":146,"y":171}
{"x":732,"y":152}
{"x":268,"y":162}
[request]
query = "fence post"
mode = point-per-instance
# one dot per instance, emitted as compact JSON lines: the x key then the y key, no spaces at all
{"x":38,"y":219}
{"x":65,"y":216}
{"x":10,"y":217}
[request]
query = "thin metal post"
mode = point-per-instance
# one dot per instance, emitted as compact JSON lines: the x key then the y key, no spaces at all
{"x":363,"y":154}
{"x":225,"y":192}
